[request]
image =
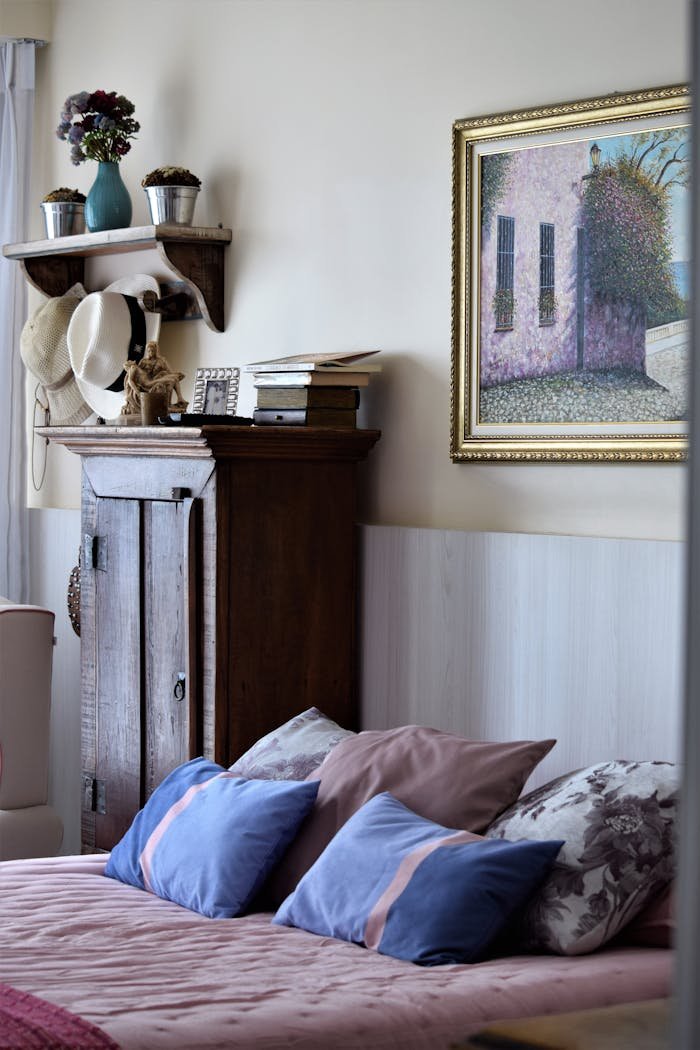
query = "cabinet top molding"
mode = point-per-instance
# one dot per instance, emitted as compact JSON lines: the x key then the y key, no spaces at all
{"x":219,"y":442}
{"x":195,"y":254}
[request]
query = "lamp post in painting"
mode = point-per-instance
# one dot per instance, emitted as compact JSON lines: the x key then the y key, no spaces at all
{"x":594,"y":154}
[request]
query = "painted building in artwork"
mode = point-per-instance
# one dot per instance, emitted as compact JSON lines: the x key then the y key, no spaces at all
{"x":536,"y":317}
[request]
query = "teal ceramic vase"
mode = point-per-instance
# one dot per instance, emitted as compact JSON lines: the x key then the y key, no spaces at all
{"x":108,"y":204}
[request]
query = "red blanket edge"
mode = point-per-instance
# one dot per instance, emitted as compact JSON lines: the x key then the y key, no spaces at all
{"x":30,"y":1023}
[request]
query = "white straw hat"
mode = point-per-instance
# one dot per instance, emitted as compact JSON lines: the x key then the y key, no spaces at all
{"x":107,"y":329}
{"x":44,"y":349}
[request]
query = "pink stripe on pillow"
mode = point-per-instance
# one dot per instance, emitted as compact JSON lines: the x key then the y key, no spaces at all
{"x":376,"y":921}
{"x":160,"y":829}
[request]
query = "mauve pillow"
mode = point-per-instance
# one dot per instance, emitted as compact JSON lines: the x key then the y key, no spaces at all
{"x":459,"y":783}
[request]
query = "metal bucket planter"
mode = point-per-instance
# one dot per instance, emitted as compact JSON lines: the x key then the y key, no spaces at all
{"x":171,"y":204}
{"x":63,"y":218}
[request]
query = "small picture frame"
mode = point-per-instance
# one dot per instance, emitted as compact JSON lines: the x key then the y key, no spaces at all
{"x":216,"y":391}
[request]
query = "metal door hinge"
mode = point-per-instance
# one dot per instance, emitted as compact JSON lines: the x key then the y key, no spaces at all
{"x":94,"y":796}
{"x":95,"y":551}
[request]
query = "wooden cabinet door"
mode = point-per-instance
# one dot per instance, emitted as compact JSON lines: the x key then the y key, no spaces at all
{"x":116,"y":579}
{"x":171,"y":730}
{"x":140,"y":651}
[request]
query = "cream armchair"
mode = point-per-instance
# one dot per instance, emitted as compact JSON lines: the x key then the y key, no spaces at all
{"x":28,"y":826}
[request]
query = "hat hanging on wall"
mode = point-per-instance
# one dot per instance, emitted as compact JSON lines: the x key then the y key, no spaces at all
{"x":43,"y":346}
{"x":107,"y":329}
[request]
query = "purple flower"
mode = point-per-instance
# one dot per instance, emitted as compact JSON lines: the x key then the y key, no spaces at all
{"x":104,"y":128}
{"x":78,"y":103}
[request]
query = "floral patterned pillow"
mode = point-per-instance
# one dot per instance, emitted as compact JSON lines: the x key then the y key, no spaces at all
{"x":292,"y":751}
{"x":617,"y":820}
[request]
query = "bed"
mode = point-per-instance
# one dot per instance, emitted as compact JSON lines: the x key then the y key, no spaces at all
{"x":149,"y":972}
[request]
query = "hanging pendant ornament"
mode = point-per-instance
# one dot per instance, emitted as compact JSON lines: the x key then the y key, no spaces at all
{"x":44,"y":420}
{"x":74,"y":596}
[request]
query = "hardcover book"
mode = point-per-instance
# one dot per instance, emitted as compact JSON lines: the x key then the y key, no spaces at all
{"x":351,"y":361}
{"x":326,"y":378}
{"x":308,"y":397}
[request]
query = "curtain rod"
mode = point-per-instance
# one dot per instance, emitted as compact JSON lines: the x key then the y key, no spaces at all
{"x":23,"y":40}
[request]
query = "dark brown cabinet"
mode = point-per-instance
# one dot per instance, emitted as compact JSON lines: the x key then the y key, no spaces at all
{"x":217,"y":596}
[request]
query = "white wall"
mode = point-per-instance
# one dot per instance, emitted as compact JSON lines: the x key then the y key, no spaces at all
{"x":322,"y":132}
{"x":25,"y":18}
{"x":55,"y":536}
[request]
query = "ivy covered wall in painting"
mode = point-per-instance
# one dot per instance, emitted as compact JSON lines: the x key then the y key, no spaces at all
{"x":533,"y":186}
{"x":610,"y":275}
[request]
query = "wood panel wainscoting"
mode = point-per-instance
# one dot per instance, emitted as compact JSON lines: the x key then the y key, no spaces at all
{"x":507,"y":636}
{"x":218,"y":589}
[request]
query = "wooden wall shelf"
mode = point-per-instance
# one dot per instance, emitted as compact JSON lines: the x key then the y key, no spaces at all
{"x":194,"y":253}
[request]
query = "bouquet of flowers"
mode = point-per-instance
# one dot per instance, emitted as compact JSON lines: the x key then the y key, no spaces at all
{"x":98,"y":126}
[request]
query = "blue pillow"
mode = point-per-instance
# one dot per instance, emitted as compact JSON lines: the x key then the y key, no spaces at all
{"x":207,"y":839}
{"x":408,"y":887}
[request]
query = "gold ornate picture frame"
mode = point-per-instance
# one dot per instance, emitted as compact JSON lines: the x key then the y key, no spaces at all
{"x":570,"y":330}
{"x":216,"y":391}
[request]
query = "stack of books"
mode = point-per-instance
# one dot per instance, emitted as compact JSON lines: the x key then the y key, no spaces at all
{"x":313,"y":390}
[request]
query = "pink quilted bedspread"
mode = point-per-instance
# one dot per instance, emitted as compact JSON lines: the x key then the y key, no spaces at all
{"x":154,"y":975}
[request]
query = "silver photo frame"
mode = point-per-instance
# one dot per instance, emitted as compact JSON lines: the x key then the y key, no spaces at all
{"x":216,"y":391}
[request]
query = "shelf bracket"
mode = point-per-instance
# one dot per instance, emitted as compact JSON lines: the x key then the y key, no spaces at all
{"x":201,"y":267}
{"x":54,"y":274}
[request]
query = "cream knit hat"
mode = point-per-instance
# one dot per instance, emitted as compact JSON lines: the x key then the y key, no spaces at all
{"x":44,"y":350}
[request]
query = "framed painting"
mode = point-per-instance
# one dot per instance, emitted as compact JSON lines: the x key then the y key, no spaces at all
{"x":216,"y":391}
{"x":571,"y":249}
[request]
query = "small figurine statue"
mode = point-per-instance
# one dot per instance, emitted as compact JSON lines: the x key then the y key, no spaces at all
{"x":152,"y":374}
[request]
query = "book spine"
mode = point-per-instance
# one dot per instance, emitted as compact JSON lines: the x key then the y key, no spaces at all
{"x":343,"y":418}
